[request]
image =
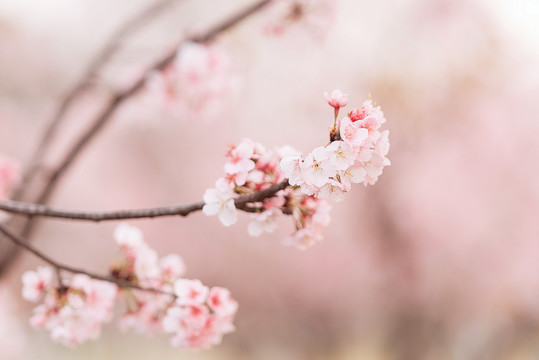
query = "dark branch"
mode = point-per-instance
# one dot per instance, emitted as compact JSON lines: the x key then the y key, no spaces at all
{"x":22,"y":243}
{"x":174,"y":210}
{"x":110,"y":108}
{"x":93,"y":69}
{"x":120,"y":97}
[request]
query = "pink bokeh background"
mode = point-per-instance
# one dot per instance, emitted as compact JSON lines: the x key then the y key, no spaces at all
{"x":438,"y":260}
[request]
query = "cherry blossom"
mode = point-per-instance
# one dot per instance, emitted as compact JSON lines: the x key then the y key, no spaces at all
{"x":354,"y":174}
{"x":194,"y":326}
{"x":129,"y":238}
{"x":341,"y":155}
{"x":198,"y":83}
{"x":303,"y":238}
{"x":317,"y":167}
{"x":35,"y":283}
{"x":75,"y":312}
{"x":220,"y":200}
{"x":368,"y":117}
{"x":352,"y":132}
{"x":190,"y":292}
{"x":292,"y":167}
{"x":221,"y":302}
{"x":263,"y":222}
{"x":270,"y":168}
{"x":356,"y":153}
{"x":333,"y":190}
{"x":181,"y":308}
{"x":337,"y":99}
{"x":172,"y":267}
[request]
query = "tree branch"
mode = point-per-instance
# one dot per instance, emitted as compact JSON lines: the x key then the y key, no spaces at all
{"x":93,"y":68}
{"x":22,"y":243}
{"x":105,"y":116}
{"x":29,"y":209}
{"x":120,"y":97}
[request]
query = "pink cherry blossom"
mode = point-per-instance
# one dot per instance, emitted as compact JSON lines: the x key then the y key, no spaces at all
{"x":303,"y":238}
{"x":317,"y":167}
{"x":198,"y":84}
{"x":99,"y":296}
{"x":354,"y":174}
{"x":146,"y":316}
{"x":190,"y":292}
{"x":146,"y":264}
{"x":369,"y":117}
{"x":220,"y":200}
{"x":357,"y":153}
{"x":172,"y":267}
{"x":75,"y":311}
{"x":128,"y":237}
{"x":341,"y":155}
{"x":194,"y":326}
{"x":273,"y":166}
{"x":333,"y":190}
{"x":221,"y":302}
{"x":35,"y":283}
{"x":291,"y":167}
{"x":287,"y":150}
{"x":352,"y":132}
{"x":240,"y":161}
{"x":144,"y":259}
{"x":337,"y":99}
{"x":263,"y":222}
{"x":378,"y":160}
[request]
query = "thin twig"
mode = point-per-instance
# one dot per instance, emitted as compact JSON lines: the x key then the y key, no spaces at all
{"x":110,"y":109}
{"x":94,"y":67}
{"x":30,"y":209}
{"x":22,"y":243}
{"x":121,"y":96}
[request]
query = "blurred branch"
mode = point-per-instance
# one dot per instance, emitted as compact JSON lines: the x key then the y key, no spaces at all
{"x":174,"y":210}
{"x":93,"y":69}
{"x":24,"y":244}
{"x":113,"y":104}
{"x":122,"y":96}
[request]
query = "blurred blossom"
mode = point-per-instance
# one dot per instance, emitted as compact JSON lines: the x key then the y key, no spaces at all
{"x":198,"y":84}
{"x":439,"y":260}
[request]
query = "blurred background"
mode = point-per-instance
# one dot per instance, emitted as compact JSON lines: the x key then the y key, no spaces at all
{"x":438,"y":260}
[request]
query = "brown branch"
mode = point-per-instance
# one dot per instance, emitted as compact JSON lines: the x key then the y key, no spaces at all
{"x":29,"y":209}
{"x":22,"y":243}
{"x":120,"y":97}
{"x":110,"y":109}
{"x":94,"y":67}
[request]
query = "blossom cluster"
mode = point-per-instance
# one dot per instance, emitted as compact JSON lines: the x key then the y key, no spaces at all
{"x":157,"y":299}
{"x":356,"y":153}
{"x":196,"y":316}
{"x":74,"y":312}
{"x":197,"y":83}
{"x":250,"y":168}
